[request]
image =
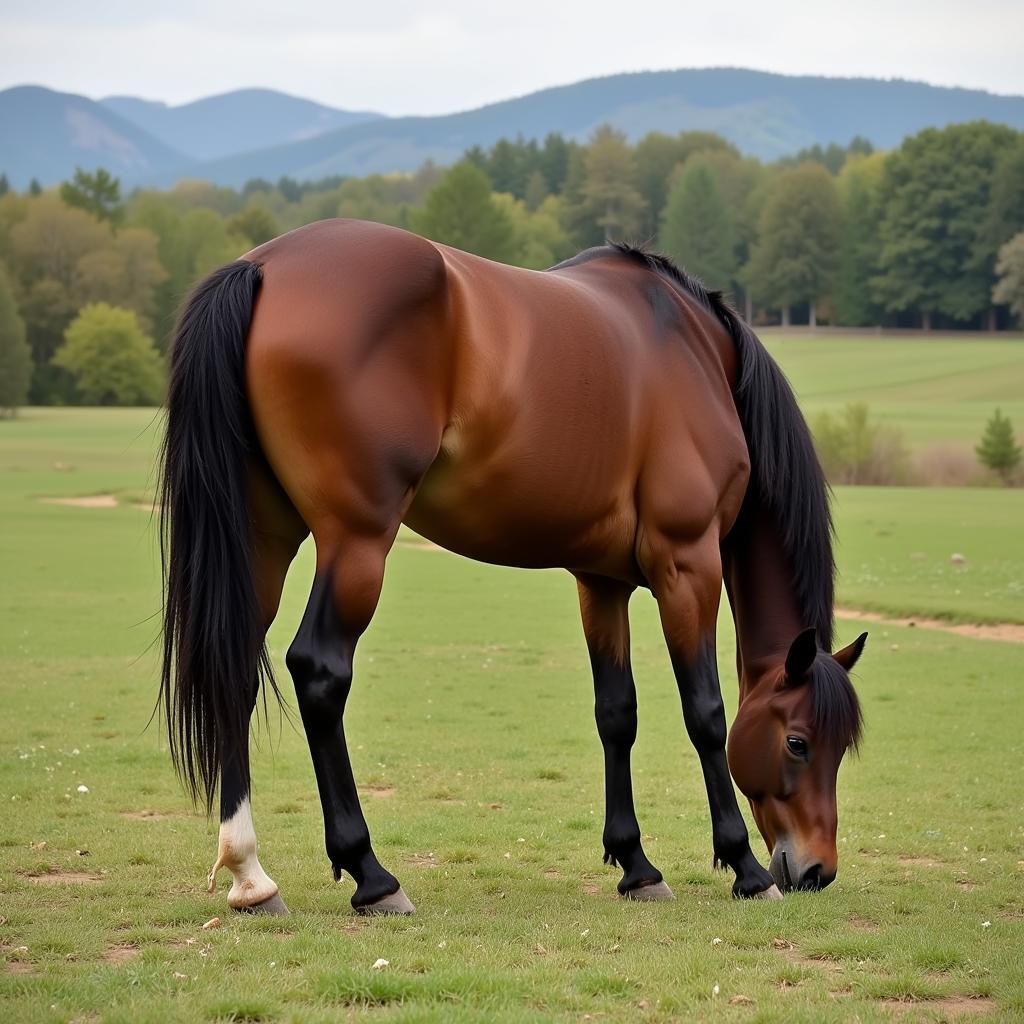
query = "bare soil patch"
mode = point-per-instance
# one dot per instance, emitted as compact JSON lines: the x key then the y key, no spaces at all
{"x":120,"y":954}
{"x":862,"y":924}
{"x":149,"y":815}
{"x":920,"y":862}
{"x":1011,"y":632}
{"x":382,"y":792}
{"x":60,"y":877}
{"x":87,"y":501}
{"x":421,"y":860}
{"x":21,"y":967}
{"x":950,"y":1008}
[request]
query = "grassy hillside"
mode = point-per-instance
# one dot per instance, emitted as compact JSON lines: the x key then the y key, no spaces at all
{"x":935,"y":390}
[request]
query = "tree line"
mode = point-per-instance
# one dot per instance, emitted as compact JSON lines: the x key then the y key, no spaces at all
{"x":927,"y":235}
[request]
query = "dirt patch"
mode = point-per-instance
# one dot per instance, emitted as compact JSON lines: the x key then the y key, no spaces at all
{"x":87,"y":501}
{"x":60,"y":877}
{"x":21,"y":967}
{"x":862,"y":924}
{"x":1011,"y":632}
{"x":919,"y":862}
{"x":966,"y":886}
{"x":381,"y":792}
{"x":149,"y":815}
{"x":420,"y":860}
{"x":951,"y":1008}
{"x":120,"y":954}
{"x":552,"y":873}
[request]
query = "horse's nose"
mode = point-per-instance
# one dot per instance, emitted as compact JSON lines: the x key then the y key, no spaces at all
{"x":815,"y":877}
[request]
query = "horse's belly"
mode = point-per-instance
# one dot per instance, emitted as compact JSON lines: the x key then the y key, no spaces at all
{"x":528,"y":511}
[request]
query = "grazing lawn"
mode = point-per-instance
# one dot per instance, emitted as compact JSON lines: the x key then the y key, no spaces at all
{"x":472,"y":737}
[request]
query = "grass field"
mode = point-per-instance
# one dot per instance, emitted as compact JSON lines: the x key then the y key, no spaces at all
{"x":472,"y":737}
{"x":935,"y":390}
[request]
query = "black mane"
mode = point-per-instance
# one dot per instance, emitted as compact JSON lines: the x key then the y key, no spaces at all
{"x":786,"y":480}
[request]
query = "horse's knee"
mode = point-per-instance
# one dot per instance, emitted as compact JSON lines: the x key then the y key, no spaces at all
{"x":704,"y":714}
{"x":616,"y":720}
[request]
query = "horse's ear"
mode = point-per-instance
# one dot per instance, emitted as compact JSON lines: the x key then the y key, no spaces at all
{"x":802,"y":653}
{"x":848,"y":656}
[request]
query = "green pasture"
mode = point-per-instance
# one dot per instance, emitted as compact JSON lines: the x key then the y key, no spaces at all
{"x":934,"y":390}
{"x":472,"y":737}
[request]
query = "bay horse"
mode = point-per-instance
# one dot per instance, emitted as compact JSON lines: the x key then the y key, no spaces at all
{"x":609,"y":416}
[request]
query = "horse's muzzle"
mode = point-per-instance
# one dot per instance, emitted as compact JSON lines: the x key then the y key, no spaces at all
{"x":790,"y":874}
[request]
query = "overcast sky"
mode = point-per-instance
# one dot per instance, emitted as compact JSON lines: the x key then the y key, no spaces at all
{"x":403,"y":57}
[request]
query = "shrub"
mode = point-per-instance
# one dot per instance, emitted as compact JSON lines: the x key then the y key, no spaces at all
{"x":855,"y":450}
{"x":998,"y":449}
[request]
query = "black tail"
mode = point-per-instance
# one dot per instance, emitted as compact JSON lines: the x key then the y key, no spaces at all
{"x":786,"y":479}
{"x":214,"y":656}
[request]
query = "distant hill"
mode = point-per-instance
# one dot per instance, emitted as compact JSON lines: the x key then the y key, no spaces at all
{"x":261,"y":133}
{"x":45,"y":134}
{"x":766,"y":115}
{"x":234,"y":122}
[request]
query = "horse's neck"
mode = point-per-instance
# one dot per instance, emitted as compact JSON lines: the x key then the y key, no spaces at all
{"x":759,"y":582}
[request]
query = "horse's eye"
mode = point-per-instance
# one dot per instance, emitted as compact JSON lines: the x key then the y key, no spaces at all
{"x":797,"y":747}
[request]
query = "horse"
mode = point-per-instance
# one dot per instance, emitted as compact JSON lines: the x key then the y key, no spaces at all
{"x":609,"y":416}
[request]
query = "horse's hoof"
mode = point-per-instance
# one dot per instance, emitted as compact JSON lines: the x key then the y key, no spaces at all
{"x":771,"y":893}
{"x":272,"y":905}
{"x":657,"y":893}
{"x":396,"y":904}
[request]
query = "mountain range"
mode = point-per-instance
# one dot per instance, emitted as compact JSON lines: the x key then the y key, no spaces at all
{"x":251,"y":133}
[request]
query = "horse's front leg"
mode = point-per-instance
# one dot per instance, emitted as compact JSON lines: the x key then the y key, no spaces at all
{"x":604,"y":607}
{"x":687,"y":583}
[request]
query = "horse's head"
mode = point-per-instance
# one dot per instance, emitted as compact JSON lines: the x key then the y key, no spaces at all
{"x":794,"y":725}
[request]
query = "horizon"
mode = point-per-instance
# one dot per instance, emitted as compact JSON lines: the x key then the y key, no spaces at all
{"x":103,"y":97}
{"x":402,"y":62}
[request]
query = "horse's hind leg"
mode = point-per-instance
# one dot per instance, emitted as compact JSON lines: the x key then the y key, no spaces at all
{"x":350,"y":571}
{"x":603,"y":603}
{"x":277,"y":533}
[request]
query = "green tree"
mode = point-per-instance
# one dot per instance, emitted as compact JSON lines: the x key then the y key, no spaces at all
{"x":126,"y":273}
{"x":15,"y":354}
{"x":98,"y":193}
{"x":658,"y":155}
{"x":111,"y":360}
{"x":540,"y":240}
{"x":553,"y":161}
{"x":697,"y":229}
{"x":1009,"y":288}
{"x":998,"y":448}
{"x":1004,"y":217}
{"x":936,"y":190}
{"x":609,"y":204}
{"x":255,"y":224}
{"x":794,"y":259}
{"x":461,"y":211}
{"x":860,"y":194}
